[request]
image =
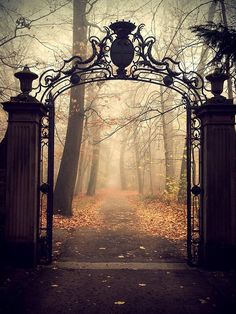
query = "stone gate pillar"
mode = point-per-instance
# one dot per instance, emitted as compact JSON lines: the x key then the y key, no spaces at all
{"x":217,"y":117}
{"x":22,"y":175}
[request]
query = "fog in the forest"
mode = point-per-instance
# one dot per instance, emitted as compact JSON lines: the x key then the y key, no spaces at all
{"x":134,"y":134}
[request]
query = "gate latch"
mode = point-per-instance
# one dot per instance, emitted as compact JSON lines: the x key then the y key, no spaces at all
{"x":44,"y":188}
{"x":196,"y":190}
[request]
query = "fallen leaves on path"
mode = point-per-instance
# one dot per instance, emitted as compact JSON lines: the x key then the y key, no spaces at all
{"x":157,"y":218}
{"x":119,"y":302}
{"x":142,"y":284}
{"x":85,"y":214}
{"x":154,"y":217}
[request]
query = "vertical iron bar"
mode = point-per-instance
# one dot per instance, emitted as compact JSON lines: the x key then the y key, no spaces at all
{"x":51,"y":115}
{"x":201,"y":178}
{"x":39,"y":192}
{"x":189,"y":210}
{"x":42,"y":234}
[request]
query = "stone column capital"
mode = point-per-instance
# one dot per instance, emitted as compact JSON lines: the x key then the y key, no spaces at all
{"x":214,"y":112}
{"x":26,"y":106}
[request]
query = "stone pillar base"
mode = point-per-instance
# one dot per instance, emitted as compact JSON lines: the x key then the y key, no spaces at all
{"x":219,"y":257}
{"x":21,"y":254}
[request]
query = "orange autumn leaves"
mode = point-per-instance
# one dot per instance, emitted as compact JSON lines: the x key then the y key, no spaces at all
{"x":85,"y":214}
{"x":159,"y":219}
{"x":154,"y":217}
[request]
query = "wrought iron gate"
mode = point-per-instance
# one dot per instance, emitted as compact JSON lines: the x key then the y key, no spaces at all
{"x":46,"y":183}
{"x":193,"y":179}
{"x":116,"y":57}
{"x":194,"y":191}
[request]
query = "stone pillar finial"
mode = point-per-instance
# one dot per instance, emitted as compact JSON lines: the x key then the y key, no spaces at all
{"x":217,"y":79}
{"x":26,"y":77}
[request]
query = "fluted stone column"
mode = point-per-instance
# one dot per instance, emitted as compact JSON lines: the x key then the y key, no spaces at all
{"x":22,"y":179}
{"x":218,"y":182}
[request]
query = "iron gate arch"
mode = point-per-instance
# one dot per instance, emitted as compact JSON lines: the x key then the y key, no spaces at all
{"x":131,"y":56}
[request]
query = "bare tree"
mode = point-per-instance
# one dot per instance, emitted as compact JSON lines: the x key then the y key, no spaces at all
{"x":122,"y":162}
{"x":66,"y":179}
{"x":95,"y":126}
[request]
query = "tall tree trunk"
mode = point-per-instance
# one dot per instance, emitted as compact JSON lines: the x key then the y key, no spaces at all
{"x":122,"y":165}
{"x":107,"y":156}
{"x":81,"y":170}
{"x":168,"y":142}
{"x":150,"y":164}
{"x":200,"y":70}
{"x":94,"y":170}
{"x":95,"y":157}
{"x":183,"y":178}
{"x":138,"y":165}
{"x":66,"y":179}
{"x":84,"y":162}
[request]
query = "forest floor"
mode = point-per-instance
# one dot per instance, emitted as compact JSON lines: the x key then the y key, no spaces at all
{"x":119,"y":254}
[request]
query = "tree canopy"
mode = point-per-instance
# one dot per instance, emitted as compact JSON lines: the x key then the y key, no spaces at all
{"x":220,"y":38}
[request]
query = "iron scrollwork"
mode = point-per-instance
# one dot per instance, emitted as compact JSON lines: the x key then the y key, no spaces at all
{"x":140,"y":65}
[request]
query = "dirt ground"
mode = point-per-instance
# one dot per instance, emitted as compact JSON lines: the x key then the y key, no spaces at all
{"x":116,"y":269}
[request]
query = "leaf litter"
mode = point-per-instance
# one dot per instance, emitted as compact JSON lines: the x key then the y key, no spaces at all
{"x":85,"y":214}
{"x":154,"y":217}
{"x":160,"y":219}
